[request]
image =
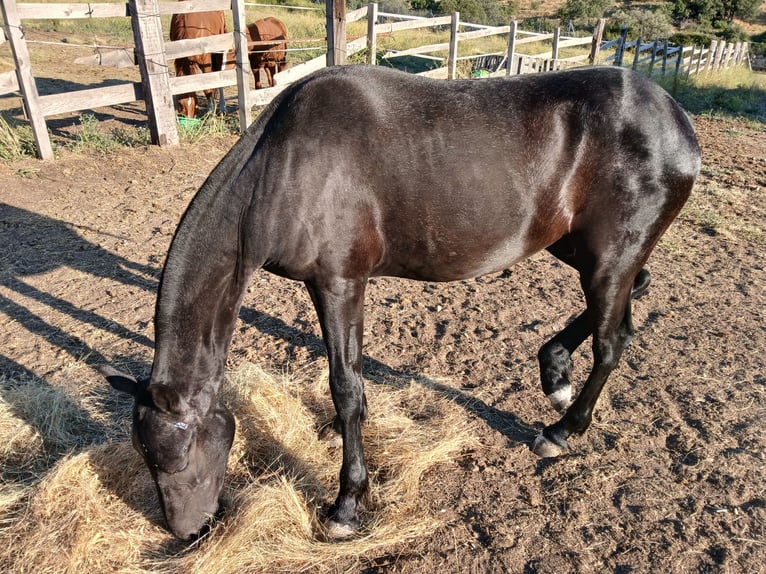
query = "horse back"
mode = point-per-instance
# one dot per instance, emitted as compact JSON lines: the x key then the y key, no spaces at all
{"x":268,"y":29}
{"x":384,"y":173}
{"x":194,"y":25}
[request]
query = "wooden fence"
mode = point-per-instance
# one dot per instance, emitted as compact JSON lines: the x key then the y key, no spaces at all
{"x":660,"y":57}
{"x":158,"y":87}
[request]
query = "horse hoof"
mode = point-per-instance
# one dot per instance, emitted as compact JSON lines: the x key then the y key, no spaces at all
{"x":561,"y":399}
{"x":328,"y":435}
{"x":337,"y":531}
{"x":545,"y":448}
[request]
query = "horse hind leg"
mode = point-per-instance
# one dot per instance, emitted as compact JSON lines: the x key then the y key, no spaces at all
{"x":555,"y":357}
{"x":608,"y":318}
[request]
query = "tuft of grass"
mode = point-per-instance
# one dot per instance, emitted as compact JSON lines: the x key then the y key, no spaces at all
{"x":16,"y":140}
{"x":94,"y":138}
{"x":206,"y":126}
{"x":96,"y":509}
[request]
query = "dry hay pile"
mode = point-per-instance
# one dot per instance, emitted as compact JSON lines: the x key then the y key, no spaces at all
{"x":69,"y":505}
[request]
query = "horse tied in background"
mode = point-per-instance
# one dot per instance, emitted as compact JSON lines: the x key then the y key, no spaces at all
{"x":358,"y":171}
{"x":267,"y":54}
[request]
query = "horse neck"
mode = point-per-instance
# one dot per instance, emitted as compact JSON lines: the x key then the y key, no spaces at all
{"x":208,"y":268}
{"x":204,"y":279}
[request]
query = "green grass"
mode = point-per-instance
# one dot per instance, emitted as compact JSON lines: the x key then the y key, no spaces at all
{"x":16,"y":139}
{"x":92,"y":137}
{"x":735,"y":93}
{"x":207,"y":126}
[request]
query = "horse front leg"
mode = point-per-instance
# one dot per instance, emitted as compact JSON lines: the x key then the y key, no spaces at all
{"x":340,"y":307}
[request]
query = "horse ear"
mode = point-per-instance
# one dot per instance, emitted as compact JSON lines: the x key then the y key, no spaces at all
{"x":166,"y":399}
{"x":120,"y":381}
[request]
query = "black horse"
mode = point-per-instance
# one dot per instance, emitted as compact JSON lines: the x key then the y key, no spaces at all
{"x":361,"y":171}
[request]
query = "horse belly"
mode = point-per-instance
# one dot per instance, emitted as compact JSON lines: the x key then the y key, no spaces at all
{"x":456,"y":234}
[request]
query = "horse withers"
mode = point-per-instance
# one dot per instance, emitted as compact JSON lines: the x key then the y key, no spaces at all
{"x":360,"y":171}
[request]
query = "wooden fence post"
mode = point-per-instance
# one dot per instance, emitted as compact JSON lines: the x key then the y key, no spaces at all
{"x":372,"y":38}
{"x":598,"y":35}
{"x":711,"y":55}
{"x":26,"y":81}
{"x":452,"y":59}
{"x":678,"y":68}
{"x":737,"y":51}
{"x":244,"y":74}
{"x":555,"y":48}
{"x":511,"y":48}
{"x":699,"y":59}
{"x":621,"y":46}
{"x":664,"y":56}
{"x":336,"y":32}
{"x":655,"y":44}
{"x":691,"y":61}
{"x":150,"y":57}
{"x":718,"y":55}
{"x":637,"y":55}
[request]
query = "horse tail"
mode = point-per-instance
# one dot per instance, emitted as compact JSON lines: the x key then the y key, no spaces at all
{"x":641,"y":283}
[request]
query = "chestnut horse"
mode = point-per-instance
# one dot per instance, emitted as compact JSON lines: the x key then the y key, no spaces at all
{"x":358,"y":171}
{"x":267,"y":59}
{"x":187,"y":27}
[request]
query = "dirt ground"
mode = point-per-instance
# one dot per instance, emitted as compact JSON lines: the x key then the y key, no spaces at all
{"x":671,"y":475}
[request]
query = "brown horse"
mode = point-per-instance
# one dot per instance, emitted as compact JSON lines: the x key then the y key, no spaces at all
{"x":267,"y":59}
{"x":357,"y":172}
{"x":187,"y":27}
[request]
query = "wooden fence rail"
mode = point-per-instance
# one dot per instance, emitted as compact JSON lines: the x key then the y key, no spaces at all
{"x":157,"y":87}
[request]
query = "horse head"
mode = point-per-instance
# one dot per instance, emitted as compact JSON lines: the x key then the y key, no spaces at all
{"x":185,"y":444}
{"x":187,"y":105}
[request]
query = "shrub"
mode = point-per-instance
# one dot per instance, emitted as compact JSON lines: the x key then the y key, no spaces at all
{"x":644,"y":23}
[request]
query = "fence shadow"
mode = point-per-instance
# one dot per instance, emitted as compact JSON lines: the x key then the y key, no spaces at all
{"x":33,"y":244}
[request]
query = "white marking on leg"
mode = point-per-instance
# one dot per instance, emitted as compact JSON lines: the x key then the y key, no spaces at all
{"x":561,"y":399}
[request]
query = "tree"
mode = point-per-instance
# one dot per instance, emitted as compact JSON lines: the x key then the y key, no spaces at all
{"x":746,"y":10}
{"x":575,"y":9}
{"x":706,"y":12}
{"x":645,"y":23}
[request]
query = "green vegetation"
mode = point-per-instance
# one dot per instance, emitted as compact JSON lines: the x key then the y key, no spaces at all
{"x":16,"y":139}
{"x":92,"y":136}
{"x":737,"y":92}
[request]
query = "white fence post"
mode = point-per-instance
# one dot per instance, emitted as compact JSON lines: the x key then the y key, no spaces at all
{"x":372,"y":38}
{"x":452,"y":59}
{"x":511,"y":49}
